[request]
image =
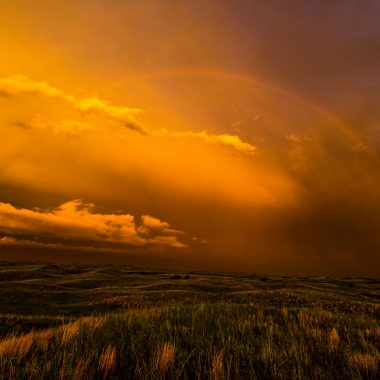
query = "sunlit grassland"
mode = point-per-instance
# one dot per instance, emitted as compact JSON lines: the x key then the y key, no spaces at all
{"x":207,"y":326}
{"x":222,"y":340}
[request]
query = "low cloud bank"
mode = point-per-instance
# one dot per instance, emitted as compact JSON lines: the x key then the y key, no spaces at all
{"x":77,"y":224}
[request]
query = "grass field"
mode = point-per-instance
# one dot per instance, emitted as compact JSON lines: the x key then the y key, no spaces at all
{"x":121,"y":322}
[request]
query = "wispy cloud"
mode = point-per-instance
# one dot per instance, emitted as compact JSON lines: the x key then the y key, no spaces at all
{"x":21,"y":85}
{"x":233,"y":141}
{"x":77,"y":222}
{"x":64,"y":127}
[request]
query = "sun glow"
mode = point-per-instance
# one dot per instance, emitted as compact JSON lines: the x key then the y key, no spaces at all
{"x":227,"y":140}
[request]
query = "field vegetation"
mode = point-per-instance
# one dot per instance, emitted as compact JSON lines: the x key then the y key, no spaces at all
{"x":119,"y":322}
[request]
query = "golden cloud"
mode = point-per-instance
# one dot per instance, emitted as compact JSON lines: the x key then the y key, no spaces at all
{"x":21,"y":85}
{"x":76,"y":221}
{"x":63,"y":127}
{"x":29,"y":243}
{"x":223,"y":139}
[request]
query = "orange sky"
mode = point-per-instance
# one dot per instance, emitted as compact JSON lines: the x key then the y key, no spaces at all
{"x":221,"y":135}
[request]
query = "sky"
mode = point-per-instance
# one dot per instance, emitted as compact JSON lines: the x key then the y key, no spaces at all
{"x":219,"y":135}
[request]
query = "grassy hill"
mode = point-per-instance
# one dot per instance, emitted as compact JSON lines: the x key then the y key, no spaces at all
{"x":120,"y":322}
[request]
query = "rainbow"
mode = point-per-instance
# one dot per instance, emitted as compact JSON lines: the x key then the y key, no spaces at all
{"x":356,"y":137}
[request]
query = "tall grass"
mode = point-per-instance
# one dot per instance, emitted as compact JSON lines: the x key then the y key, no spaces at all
{"x":200,"y":341}
{"x":107,"y":361}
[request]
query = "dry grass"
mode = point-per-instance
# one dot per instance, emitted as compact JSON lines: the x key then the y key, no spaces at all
{"x":211,"y":341}
{"x":365,"y":363}
{"x":217,"y":368}
{"x":165,"y":357}
{"x":333,"y":340}
{"x":80,"y":371}
{"x":92,"y":322}
{"x":107,"y":361}
{"x":16,"y":346}
{"x":305,"y":319}
{"x":314,"y":333}
{"x":212,"y":326}
{"x":44,"y":337}
{"x":69,"y":332}
{"x":20,"y":345}
{"x":62,"y":370}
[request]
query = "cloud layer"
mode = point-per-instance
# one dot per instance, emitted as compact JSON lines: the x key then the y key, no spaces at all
{"x":22,"y":85}
{"x":223,"y":139}
{"x":271,"y":144}
{"x":76,"y":223}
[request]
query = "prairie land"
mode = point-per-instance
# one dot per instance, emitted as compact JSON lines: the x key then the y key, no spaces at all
{"x":122,"y":322}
